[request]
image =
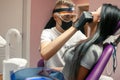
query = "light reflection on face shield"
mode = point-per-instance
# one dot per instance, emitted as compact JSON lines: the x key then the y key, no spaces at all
{"x":67,"y":17}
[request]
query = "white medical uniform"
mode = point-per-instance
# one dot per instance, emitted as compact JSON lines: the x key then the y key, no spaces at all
{"x":58,"y":59}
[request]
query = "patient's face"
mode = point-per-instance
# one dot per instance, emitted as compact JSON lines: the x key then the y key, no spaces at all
{"x":91,"y":28}
{"x":96,"y":15}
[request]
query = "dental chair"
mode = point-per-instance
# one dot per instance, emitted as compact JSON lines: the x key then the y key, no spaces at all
{"x":99,"y":67}
{"x":96,"y":72}
{"x":41,"y":73}
{"x":102,"y":62}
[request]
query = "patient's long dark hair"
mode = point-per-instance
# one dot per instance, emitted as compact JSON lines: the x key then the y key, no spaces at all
{"x":110,"y":15}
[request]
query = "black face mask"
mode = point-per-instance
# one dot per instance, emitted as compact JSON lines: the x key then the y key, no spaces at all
{"x":66,"y":25}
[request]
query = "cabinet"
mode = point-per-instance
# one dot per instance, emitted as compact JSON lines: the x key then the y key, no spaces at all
{"x":15,"y":14}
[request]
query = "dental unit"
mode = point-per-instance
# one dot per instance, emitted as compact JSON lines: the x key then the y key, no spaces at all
{"x":12,"y":64}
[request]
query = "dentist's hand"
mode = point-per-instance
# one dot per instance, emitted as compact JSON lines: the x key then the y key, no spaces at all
{"x":85,"y":17}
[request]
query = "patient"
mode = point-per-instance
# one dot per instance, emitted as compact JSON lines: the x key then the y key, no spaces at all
{"x":80,"y":60}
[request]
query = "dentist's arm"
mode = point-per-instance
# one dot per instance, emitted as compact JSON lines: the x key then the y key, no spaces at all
{"x":48,"y":49}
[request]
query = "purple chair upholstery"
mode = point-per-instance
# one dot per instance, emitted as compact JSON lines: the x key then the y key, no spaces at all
{"x":102,"y":62}
{"x":40,"y":63}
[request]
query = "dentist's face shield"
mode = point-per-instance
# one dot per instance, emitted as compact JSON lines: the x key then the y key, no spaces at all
{"x":117,"y":30}
{"x":66,"y":14}
{"x":70,"y":9}
{"x":67,"y":17}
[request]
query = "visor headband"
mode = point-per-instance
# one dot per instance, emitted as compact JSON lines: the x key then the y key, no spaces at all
{"x":64,"y":9}
{"x":118,"y":26}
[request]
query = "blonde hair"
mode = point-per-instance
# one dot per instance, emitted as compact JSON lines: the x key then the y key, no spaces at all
{"x":68,"y":3}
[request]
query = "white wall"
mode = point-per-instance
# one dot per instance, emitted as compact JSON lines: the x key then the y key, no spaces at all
{"x":41,"y":11}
